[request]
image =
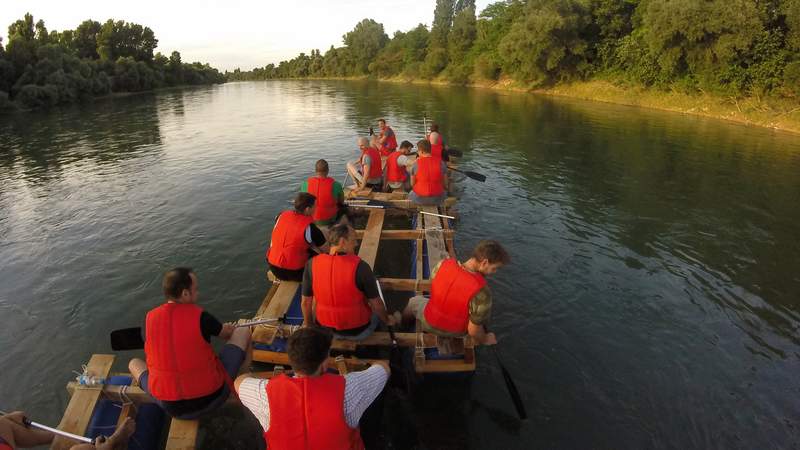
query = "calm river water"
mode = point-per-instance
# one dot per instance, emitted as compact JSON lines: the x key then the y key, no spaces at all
{"x":653,"y":300}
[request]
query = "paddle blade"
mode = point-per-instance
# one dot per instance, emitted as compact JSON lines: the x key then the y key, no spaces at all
{"x":452,"y":151}
{"x":512,"y":388}
{"x":127,"y":339}
{"x":370,"y":131}
{"x":475,"y":176}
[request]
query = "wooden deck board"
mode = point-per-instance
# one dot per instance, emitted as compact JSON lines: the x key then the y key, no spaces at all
{"x":182,"y":434}
{"x":280,"y":302}
{"x":437,"y":250}
{"x":403,"y":235}
{"x":81,"y":406}
{"x":368,"y":250}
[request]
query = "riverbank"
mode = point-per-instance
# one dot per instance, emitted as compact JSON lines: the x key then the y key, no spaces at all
{"x":777,"y":114}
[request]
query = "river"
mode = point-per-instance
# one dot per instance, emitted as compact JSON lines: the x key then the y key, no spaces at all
{"x":653,"y":300}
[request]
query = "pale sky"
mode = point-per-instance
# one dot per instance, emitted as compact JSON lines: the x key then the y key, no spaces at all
{"x":231,"y":33}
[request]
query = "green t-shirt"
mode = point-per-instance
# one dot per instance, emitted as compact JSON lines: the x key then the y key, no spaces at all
{"x":480,"y":308}
{"x":338,"y":194}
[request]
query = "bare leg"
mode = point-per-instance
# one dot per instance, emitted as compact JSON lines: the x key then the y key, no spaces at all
{"x":352,"y":169}
{"x":18,"y":435}
{"x":241,"y":338}
{"x":137,"y":367}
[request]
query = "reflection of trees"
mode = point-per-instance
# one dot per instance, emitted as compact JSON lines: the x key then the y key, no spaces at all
{"x":39,"y":144}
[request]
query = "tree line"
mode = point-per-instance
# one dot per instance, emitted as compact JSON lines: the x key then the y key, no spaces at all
{"x":41,"y":68}
{"x":724,"y":47}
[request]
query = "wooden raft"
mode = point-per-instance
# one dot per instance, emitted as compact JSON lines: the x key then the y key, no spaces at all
{"x":83,"y":401}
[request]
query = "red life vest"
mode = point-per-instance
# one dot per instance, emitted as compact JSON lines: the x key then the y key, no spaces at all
{"x":339,"y":302}
{"x":308,"y":413}
{"x":288,"y":248}
{"x":180,"y":363}
{"x":391,"y":142}
{"x":436,"y":149}
{"x":394,"y":172}
{"x":322,"y":189}
{"x":428,"y":181}
{"x":451,"y":290}
{"x":375,"y":169}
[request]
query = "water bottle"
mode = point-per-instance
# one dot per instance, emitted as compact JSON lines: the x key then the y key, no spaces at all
{"x":85,"y":379}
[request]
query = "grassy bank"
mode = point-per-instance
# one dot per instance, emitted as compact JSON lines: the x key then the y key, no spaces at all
{"x":772,"y":113}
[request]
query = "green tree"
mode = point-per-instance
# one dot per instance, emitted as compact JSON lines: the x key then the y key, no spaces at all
{"x":546,"y":43}
{"x":791,"y":11}
{"x":442,"y":21}
{"x":85,"y":39}
{"x":364,"y":43}
{"x":21,"y":48}
{"x":122,"y":39}
{"x":462,"y":36}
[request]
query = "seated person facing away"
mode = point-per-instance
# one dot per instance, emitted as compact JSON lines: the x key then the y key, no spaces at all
{"x":14,"y":434}
{"x":182,"y":372}
{"x":329,"y":206}
{"x":340,"y":291}
{"x":313,"y":409}
{"x":428,"y":177}
{"x":396,"y":177}
{"x":367,"y":171}
{"x":460,"y":301}
{"x":438,"y":146}
{"x":292,"y":239}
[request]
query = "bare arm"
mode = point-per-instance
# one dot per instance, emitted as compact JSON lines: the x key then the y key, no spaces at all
{"x":376,"y":304}
{"x":480,"y":335}
{"x":227,"y":331}
{"x":307,"y":305}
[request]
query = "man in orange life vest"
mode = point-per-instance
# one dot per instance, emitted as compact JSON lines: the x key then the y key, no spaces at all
{"x":460,"y":302}
{"x":329,"y":206}
{"x":14,"y":434}
{"x":386,"y":138}
{"x":292,"y":239}
{"x":438,"y":147}
{"x":397,"y":178}
{"x":367,"y":171}
{"x":313,"y":409}
{"x":182,"y":372}
{"x":428,"y":177}
{"x":340,"y":292}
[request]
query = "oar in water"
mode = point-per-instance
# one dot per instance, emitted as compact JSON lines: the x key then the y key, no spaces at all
{"x":452,"y":151}
{"x":30,"y":423}
{"x":474,"y":175}
{"x":378,"y":204}
{"x":510,"y":386}
{"x":131,"y":338}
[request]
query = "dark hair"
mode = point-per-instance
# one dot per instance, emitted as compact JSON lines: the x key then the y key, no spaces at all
{"x":406,"y":144}
{"x":321,"y":166}
{"x":175,"y":281}
{"x":434,"y":127}
{"x":338,"y":232}
{"x":424,"y":146}
{"x":491,"y":250}
{"x":303,"y":200}
{"x":383,"y":121}
{"x":308,"y":348}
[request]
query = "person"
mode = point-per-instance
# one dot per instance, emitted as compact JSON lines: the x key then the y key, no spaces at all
{"x":340,"y":292}
{"x":15,"y":433}
{"x":329,"y":206}
{"x":367,"y":171}
{"x":182,"y":372}
{"x":428,"y":177}
{"x":387,"y":138}
{"x":312,"y":409}
{"x":396,"y":173}
{"x":438,"y":146}
{"x":292,"y":239}
{"x":460,"y":300}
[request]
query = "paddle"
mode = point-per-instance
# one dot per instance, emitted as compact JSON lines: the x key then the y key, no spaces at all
{"x":131,"y":338}
{"x":395,"y":359}
{"x":29,"y":423}
{"x":474,"y":175}
{"x":371,"y":203}
{"x":511,"y":386}
{"x":452,"y":151}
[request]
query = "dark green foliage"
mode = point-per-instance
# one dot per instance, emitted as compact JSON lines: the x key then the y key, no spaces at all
{"x":41,"y":68}
{"x":364,"y":43}
{"x":442,"y":21}
{"x":791,"y":78}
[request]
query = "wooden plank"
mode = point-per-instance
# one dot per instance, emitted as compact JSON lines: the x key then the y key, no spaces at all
{"x":420,"y":262}
{"x":182,"y":434}
{"x":404,"y":235}
{"x":341,"y":365}
{"x":446,"y":365}
{"x":378,"y":338}
{"x":135,"y":393}
{"x":368,"y":250}
{"x":280,"y":302}
{"x":268,"y":356}
{"x":81,"y":405}
{"x":448,"y":234}
{"x":267,"y":298}
{"x":437,"y":251}
{"x":404,"y":284}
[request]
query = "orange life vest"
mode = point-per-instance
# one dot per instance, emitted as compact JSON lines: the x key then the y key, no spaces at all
{"x":322,"y":189}
{"x":339,"y":302}
{"x":288,"y":247}
{"x":180,"y":363}
{"x":395,"y":173}
{"x":428,"y":181}
{"x":375,"y":169}
{"x":451,"y":290}
{"x":391,"y":142}
{"x":308,"y":413}
{"x":436,"y":149}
